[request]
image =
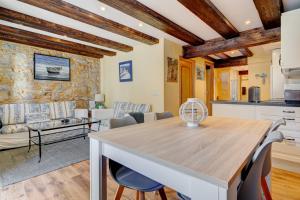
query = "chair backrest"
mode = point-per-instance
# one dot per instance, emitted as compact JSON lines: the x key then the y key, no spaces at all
{"x":125,"y":121}
{"x":251,"y":186}
{"x":117,"y":123}
{"x":268,"y":163}
{"x":164,"y":115}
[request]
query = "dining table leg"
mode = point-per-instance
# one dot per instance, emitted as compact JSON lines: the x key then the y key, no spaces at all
{"x":98,"y":176}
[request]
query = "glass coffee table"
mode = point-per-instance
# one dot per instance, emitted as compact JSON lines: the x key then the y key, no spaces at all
{"x":58,"y":131}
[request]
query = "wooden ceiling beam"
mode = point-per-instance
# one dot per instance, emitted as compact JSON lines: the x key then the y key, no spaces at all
{"x":69,"y":10}
{"x":222,"y":56}
{"x":33,"y":22}
{"x":208,"y":13}
{"x":253,"y":37}
{"x":39,"y":40}
{"x":232,"y":62}
{"x":246,"y":52}
{"x":269,"y":12}
{"x":19,"y":18}
{"x":149,"y":16}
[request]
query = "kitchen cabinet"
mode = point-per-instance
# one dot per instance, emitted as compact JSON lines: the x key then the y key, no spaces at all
{"x":285,"y":155}
{"x":290,"y":40}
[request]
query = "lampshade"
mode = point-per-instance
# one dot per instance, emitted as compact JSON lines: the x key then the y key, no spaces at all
{"x":99,"y":97}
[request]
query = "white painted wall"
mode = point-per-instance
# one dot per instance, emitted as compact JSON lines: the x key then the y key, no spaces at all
{"x":148,"y":77}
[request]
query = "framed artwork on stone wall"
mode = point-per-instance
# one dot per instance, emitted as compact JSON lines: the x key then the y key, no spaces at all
{"x":51,"y":68}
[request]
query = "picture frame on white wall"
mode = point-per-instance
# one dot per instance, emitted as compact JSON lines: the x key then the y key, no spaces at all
{"x":125,"y":71}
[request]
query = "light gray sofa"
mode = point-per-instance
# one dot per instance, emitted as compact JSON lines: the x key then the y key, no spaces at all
{"x":15,"y":117}
{"x":119,"y":110}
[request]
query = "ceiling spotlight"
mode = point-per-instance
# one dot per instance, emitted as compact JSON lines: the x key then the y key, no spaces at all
{"x":141,"y":24}
{"x":232,"y":52}
{"x":247,"y":22}
{"x":103,"y":8}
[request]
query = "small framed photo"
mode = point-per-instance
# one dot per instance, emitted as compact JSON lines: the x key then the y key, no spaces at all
{"x":125,"y":71}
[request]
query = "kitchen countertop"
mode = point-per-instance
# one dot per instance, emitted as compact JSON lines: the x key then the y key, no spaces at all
{"x":262,"y":103}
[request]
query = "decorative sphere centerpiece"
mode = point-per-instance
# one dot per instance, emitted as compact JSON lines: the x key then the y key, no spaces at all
{"x":193,"y":112}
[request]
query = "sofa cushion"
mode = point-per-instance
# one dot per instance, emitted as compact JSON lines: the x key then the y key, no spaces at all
{"x":141,"y":108}
{"x":121,"y":108}
{"x":4,"y":114}
{"x":32,"y":108}
{"x":70,"y":108}
{"x":36,"y":117}
{"x":14,"y":128}
{"x":60,"y":110}
{"x":16,"y":113}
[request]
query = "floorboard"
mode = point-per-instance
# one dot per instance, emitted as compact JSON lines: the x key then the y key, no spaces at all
{"x":72,"y":183}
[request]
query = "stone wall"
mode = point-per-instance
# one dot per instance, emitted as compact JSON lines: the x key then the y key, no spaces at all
{"x":17,"y":83}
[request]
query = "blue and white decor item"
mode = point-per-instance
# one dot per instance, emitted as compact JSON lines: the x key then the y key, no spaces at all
{"x":125,"y":71}
{"x":51,"y":68}
{"x":193,"y":112}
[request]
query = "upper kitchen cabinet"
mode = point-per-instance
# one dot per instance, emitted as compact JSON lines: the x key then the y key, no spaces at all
{"x":290,"y":39}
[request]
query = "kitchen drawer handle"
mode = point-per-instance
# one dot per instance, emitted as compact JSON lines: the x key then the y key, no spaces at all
{"x":287,"y":111}
{"x":289,"y":119}
{"x":290,"y":139}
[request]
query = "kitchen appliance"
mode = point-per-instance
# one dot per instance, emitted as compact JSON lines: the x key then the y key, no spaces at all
{"x":254,"y":94}
{"x":292,"y":93}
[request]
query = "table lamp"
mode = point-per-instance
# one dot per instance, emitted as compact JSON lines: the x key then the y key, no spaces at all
{"x":99,"y":99}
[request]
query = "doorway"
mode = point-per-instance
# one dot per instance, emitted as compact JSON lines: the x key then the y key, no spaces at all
{"x":209,"y":77}
{"x":186,"y":81}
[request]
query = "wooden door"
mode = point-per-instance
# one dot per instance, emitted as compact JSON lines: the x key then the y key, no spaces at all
{"x":209,"y":77}
{"x":186,"y":80}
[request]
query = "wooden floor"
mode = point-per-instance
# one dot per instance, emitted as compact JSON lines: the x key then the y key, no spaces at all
{"x":72,"y":183}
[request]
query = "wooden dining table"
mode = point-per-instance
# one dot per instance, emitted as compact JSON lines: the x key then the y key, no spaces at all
{"x":202,"y":163}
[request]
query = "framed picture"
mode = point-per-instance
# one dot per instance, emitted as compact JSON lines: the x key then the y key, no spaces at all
{"x":172,"y":74}
{"x":125,"y":71}
{"x":51,"y":68}
{"x":199,"y":73}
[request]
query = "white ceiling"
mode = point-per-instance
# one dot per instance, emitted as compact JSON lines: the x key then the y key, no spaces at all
{"x":236,"y":11}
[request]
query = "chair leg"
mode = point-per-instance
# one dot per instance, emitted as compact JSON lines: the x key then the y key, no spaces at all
{"x":142,"y":195}
{"x":162,"y":194}
{"x":265,"y":189}
{"x":119,"y":192}
{"x":137,"y":195}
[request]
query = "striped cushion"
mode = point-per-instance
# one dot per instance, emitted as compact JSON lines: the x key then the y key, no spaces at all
{"x":14,"y":128}
{"x":70,"y":108}
{"x":16,"y":114}
{"x":4,"y":114}
{"x":32,"y":108}
{"x":36,"y":117}
{"x":120,"y":109}
{"x":51,"y":109}
{"x":60,"y":110}
{"x":141,"y":108}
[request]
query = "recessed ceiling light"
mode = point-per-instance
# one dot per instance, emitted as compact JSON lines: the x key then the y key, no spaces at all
{"x":232,"y":52}
{"x":103,"y":8}
{"x":141,"y":24}
{"x":247,"y":22}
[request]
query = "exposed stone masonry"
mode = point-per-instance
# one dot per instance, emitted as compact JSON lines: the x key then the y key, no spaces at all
{"x":17,"y":83}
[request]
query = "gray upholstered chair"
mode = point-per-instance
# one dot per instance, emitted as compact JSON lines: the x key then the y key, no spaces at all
{"x":128,"y":178}
{"x":250,"y":187}
{"x":268,"y":163}
{"x":163,"y":115}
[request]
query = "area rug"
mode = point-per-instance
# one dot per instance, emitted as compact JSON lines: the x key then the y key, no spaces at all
{"x":17,"y":164}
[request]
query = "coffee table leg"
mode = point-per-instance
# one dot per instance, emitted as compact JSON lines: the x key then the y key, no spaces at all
{"x":40,"y":146}
{"x":29,"y":145}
